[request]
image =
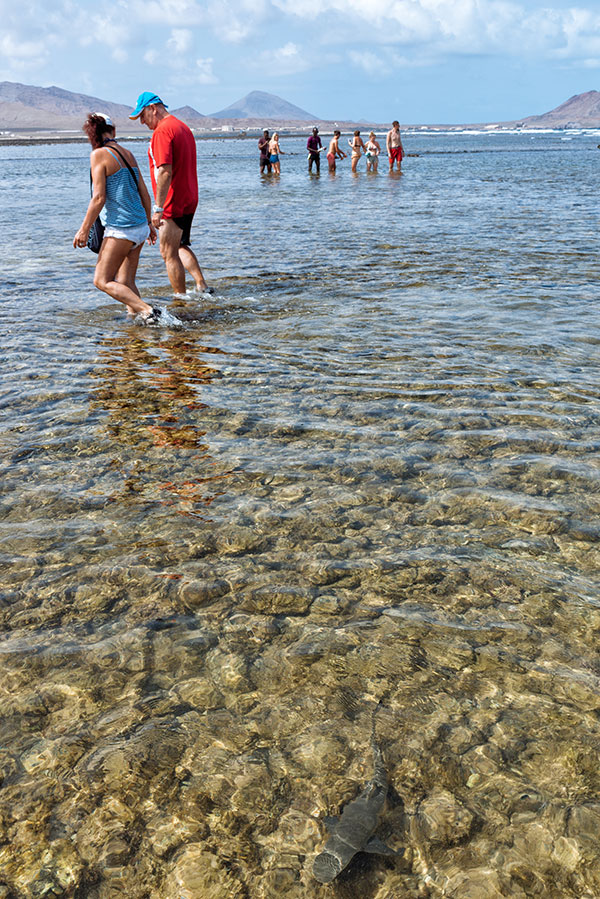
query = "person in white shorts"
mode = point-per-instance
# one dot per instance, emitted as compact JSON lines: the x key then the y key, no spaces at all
{"x":128,"y":216}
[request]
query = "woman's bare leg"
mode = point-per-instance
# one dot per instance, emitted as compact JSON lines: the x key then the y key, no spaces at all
{"x":113,"y":253}
{"x":128,"y":271}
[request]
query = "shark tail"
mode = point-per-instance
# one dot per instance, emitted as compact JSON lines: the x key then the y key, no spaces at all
{"x":326,"y":867}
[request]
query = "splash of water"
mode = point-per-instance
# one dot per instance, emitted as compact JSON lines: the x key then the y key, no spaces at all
{"x":166,"y":319}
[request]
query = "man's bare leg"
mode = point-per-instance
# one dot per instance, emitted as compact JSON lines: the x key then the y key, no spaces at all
{"x":170,"y":241}
{"x":189,"y":261}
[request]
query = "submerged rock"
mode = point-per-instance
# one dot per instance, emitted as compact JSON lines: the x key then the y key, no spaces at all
{"x":195,"y":873}
{"x":443,"y":819}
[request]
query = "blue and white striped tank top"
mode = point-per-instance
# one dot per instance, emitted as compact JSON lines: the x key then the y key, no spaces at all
{"x":123,"y":204}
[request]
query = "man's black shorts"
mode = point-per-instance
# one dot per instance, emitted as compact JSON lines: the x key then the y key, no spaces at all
{"x":185,"y":223}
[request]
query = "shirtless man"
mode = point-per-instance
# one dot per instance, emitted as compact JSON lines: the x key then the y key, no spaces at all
{"x":393,"y":144}
{"x":334,"y":151}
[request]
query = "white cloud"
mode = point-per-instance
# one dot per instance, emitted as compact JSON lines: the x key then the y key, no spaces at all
{"x":177,"y":57}
{"x":448,"y":27}
{"x":28,"y":36}
{"x":231,"y":21}
{"x":167,"y":13}
{"x":581,"y":30}
{"x":366,"y":60}
{"x":106,"y":30}
{"x":286,"y":60}
{"x":180,"y":41}
{"x":21,"y":53}
{"x":204,"y":74}
{"x":386,"y":59}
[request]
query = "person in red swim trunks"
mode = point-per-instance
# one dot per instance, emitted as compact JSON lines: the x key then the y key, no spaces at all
{"x":393,"y":143}
{"x":172,"y":157}
{"x":334,"y":151}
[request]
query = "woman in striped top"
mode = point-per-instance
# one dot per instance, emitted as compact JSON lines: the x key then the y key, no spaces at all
{"x":128,"y":216}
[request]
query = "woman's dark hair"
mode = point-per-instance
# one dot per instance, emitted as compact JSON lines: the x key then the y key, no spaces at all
{"x":96,"y":128}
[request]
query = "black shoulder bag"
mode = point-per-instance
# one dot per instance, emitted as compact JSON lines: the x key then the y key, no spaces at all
{"x":96,"y":235}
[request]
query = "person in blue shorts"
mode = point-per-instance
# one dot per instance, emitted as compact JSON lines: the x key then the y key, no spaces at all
{"x":274,"y":151}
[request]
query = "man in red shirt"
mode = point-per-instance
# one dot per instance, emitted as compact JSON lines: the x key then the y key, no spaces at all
{"x":172,"y":157}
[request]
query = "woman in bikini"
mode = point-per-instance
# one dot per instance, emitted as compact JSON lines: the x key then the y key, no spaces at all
{"x":128,"y":217}
{"x":274,"y":151}
{"x":356,"y":145}
{"x":373,"y":149}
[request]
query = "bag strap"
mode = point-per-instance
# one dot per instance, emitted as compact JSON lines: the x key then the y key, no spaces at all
{"x":128,"y":166}
{"x":135,"y":180}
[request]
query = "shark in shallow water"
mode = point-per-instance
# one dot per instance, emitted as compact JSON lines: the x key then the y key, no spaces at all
{"x":353,"y":831}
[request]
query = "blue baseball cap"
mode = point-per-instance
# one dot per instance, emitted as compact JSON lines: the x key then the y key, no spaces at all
{"x":146,"y":98}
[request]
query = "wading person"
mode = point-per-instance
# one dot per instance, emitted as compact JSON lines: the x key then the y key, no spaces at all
{"x":356,"y":144}
{"x":128,"y":222}
{"x":393,"y":145}
{"x":172,"y":156}
{"x":372,"y":151}
{"x":334,"y":151}
{"x":313,"y":145}
{"x":275,"y":150}
{"x":265,"y":156}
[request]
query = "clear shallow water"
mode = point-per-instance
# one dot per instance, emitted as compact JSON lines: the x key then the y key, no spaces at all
{"x":362,"y":479}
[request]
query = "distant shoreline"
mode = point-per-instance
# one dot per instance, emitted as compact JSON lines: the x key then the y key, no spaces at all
{"x":28,"y":138}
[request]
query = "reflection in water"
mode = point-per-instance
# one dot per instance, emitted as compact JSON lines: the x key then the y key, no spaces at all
{"x":151,"y":391}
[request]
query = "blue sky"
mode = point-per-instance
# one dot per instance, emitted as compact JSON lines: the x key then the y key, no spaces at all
{"x":421,"y":61}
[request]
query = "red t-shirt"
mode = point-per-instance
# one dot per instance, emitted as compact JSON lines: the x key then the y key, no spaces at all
{"x":174,"y":144}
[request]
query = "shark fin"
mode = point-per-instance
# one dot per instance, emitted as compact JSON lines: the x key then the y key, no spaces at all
{"x":376,"y":847}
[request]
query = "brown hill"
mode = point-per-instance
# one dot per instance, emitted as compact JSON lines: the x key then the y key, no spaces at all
{"x":189,"y":114}
{"x":26,"y":106}
{"x":264,"y":106}
{"x":581,"y":109}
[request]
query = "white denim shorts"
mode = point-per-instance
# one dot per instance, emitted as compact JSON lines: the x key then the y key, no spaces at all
{"x":137,"y":233}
